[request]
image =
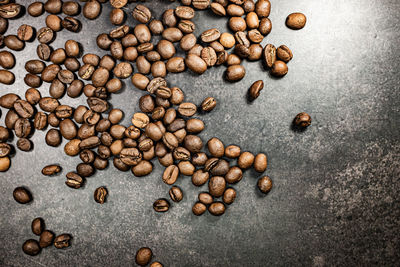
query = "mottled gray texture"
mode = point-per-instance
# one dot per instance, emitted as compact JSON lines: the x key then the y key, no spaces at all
{"x":335,"y":199}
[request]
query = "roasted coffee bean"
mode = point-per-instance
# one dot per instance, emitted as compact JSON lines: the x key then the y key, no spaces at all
{"x":22,"y":195}
{"x":158,"y":69}
{"x":156,"y":27}
{"x":7,"y":101}
{"x":97,"y":104}
{"x":176,"y":64}
{"x":210,"y":35}
{"x":145,"y":144}
{"x":24,"y":109}
{"x":186,"y":168}
{"x":34,"y":66}
{"x":169,"y":18}
{"x":284,"y":53}
{"x":70,"y":8}
{"x":170,"y":174}
{"x":71,"y":24}
{"x":3,"y":25}
{"x":263,"y":8}
{"x":142,"y":33}
{"x":57,"y":89}
{"x":45,"y":35}
{"x":53,"y":22}
{"x":62,"y":241}
{"x":210,"y":164}
{"x":260,"y":162}
{"x":100,"y":164}
{"x":235,"y":73}
{"x":193,"y":143}
{"x":199,"y":208}
{"x":118,"y":3}
{"x":74,"y":180}
{"x":90,"y":117}
{"x":32,"y":80}
{"x":119,"y":32}
{"x":222,"y":57}
{"x":140,"y":120}
{"x":184,"y":12}
{"x":255,"y":36}
{"x":187,"y":109}
{"x":279,"y":69}
{"x":199,"y":159}
{"x":123,"y":70}
{"x":9,"y":11}
{"x":265,"y":26}
{"x":229,"y":196}
{"x":144,"y":255}
{"x":117,"y":16}
{"x":269,"y":55}
{"x":53,"y":6}
{"x":86,"y":71}
{"x":22,"y":128}
{"x":72,"y":148}
{"x":205,"y":198}
{"x":84,"y":170}
{"x":31,"y":247}
{"x":176,"y":125}
{"x":53,"y":137}
{"x":234,"y":10}
{"x":24,"y":144}
{"x":245,"y":160}
{"x":237,"y":24}
{"x":166,"y":49}
{"x":86,"y":131}
{"x":68,"y":129}
{"x":143,"y":168}
{"x":186,"y":26}
{"x":176,"y":194}
{"x":195,"y":63}
{"x":4,"y":164}
{"x":132,"y":132}
{"x":43,"y":51}
{"x":194,"y":125}
{"x":249,"y":6}
{"x":100,"y":194}
{"x":7,"y":60}
{"x":48,"y":104}
{"x":37,"y":226}
{"x":255,"y":89}
{"x":209,"y":56}
{"x":46,"y":239}
{"x":188,"y":41}
{"x":35,"y":9}
{"x":103,"y":41}
{"x":201,"y":4}
{"x":90,"y":142}
{"x":51,"y":170}
{"x":141,"y":13}
{"x":256,"y":51}
{"x":103,"y":151}
{"x":215,"y":147}
{"x":40,"y":121}
{"x":233,"y":60}
{"x":181,"y":153}
{"x":12,"y":42}
{"x":216,"y":186}
{"x":166,"y":160}
{"x":234,"y":175}
{"x":87,"y":156}
{"x":25,"y":32}
{"x":4,"y":134}
{"x":252,"y":20}
{"x":296,"y":21}
{"x":5,"y":150}
{"x":130,"y":156}
{"x":172,"y":34}
{"x":91,"y":9}
{"x":264,"y":184}
{"x":120,"y":165}
{"x":217,"y":208}
{"x":11,"y":119}
{"x":200,"y":177}
{"x":53,"y":120}
{"x":220,"y":168}
{"x":50,"y":72}
{"x":302,"y":120}
{"x":115,"y":116}
{"x":218,"y":9}
{"x":160,"y":205}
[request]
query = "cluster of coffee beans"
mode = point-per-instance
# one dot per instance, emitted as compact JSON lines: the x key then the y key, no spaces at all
{"x":46,"y":238}
{"x":144,"y":256}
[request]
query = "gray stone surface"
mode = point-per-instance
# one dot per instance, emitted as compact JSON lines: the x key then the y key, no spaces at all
{"x":336,"y":190}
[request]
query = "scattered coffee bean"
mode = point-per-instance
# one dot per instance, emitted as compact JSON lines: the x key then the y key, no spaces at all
{"x":37,"y":226}
{"x":100,"y":195}
{"x":302,"y":120}
{"x":143,"y":256}
{"x":255,"y":89}
{"x":22,"y":195}
{"x":199,"y":208}
{"x":62,"y":241}
{"x":31,"y":247}
{"x":264,"y":184}
{"x":176,"y":194}
{"x":161,"y":205}
{"x":296,"y":21}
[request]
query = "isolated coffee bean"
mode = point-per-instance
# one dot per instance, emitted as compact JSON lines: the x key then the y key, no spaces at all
{"x":284,"y":53}
{"x":245,"y":160}
{"x":74,"y":180}
{"x":217,"y":208}
{"x":22,"y":195}
{"x":265,"y":26}
{"x":62,"y":241}
{"x":143,"y":256}
{"x":4,"y":164}
{"x":279,"y":69}
{"x":53,"y":137}
{"x":264,"y":184}
{"x":255,"y":89}
{"x":176,"y":194}
{"x":72,"y":148}
{"x":53,"y":6}
{"x":100,"y":195}
{"x":216,"y":147}
{"x":234,"y":10}
{"x":34,"y":66}
{"x":31,"y":247}
{"x":269,"y":56}
{"x":51,"y":170}
{"x":37,"y":226}
{"x":24,"y":144}
{"x":46,"y":239}
{"x":199,"y":208}
{"x":141,"y":13}
{"x":235,"y":73}
{"x":161,"y":205}
{"x":302,"y":120}
{"x":296,"y":21}
{"x":255,"y":52}
{"x":70,"y":8}
{"x":7,"y":60}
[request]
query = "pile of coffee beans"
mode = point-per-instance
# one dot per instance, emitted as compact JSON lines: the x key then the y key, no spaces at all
{"x":46,"y":238}
{"x":166,"y":127}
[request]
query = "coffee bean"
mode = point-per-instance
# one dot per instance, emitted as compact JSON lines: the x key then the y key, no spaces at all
{"x":187,"y":109}
{"x":143,"y":168}
{"x":264,"y":184}
{"x":103,"y":41}
{"x":233,"y":60}
{"x":31,"y":247}
{"x":62,"y":241}
{"x":37,"y":226}
{"x":170,"y":174}
{"x":217,"y":208}
{"x":256,"y":51}
{"x":7,"y":60}
{"x":184,"y":12}
{"x":205,"y":198}
{"x":142,"y":33}
{"x":269,"y":55}
{"x":195,"y":63}
{"x":263,"y":8}
{"x":161,"y":205}
{"x":43,"y":51}
{"x":140,"y":120}
{"x":130,"y":156}
{"x":235,"y":73}
{"x":199,"y":208}
{"x":210,"y":35}
{"x":200,"y":177}
{"x":97,"y":104}
{"x":4,"y":164}
{"x":234,"y":10}
{"x":70,"y":8}
{"x":201,"y":4}
{"x":4,"y":134}
{"x":169,"y":18}
{"x":234,"y":175}
{"x":45,"y":35}
{"x":279,"y":69}
{"x":22,"y":195}
{"x":220,"y":168}
{"x":144,"y":255}
{"x":141,"y":13}
{"x":199,"y":159}
{"x":218,"y":9}
{"x":296,"y":21}
{"x":9,"y":11}
{"x":186,"y":26}
{"x":265,"y":26}
{"x":215,"y":147}
{"x":51,"y":170}
{"x":72,"y":148}
{"x":85,"y":170}
{"x":46,"y":239}
{"x":68,"y":129}
{"x":176,"y":194}
{"x":172,"y":34}
{"x":24,"y":144}
{"x":91,"y":9}
{"x":5,"y":150}
{"x":74,"y":180}
{"x":34,"y":66}
{"x":237,"y":24}
{"x":260,"y":162}
{"x":156,"y":264}
{"x":53,"y":6}
{"x":87,"y":156}
{"x":245,"y":160}
{"x":119,"y":32}
{"x":255,"y":36}
{"x":302,"y":120}
{"x":283,"y":53}
{"x":71,"y":24}
{"x":100,"y":195}
{"x":22,"y":128}
{"x":216,"y":186}
{"x":53,"y":22}
{"x":90,"y":142}
{"x":255,"y":89}
{"x":35,"y":9}
{"x":186,"y":168}
{"x":229,"y":196}
{"x":53,"y":137}
{"x":23,"y":108}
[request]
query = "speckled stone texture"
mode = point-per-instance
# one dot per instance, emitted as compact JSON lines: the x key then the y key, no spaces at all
{"x":336,"y":190}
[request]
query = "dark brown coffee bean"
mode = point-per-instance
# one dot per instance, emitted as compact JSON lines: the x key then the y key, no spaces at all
{"x":119,"y":32}
{"x":123,"y":70}
{"x":269,"y":55}
{"x":302,"y":120}
{"x":7,"y":101}
{"x":22,"y":128}
{"x":234,"y":175}
{"x":186,"y":168}
{"x":103,"y":41}
{"x":169,"y":18}
{"x":176,"y":194}
{"x":100,"y":194}
{"x":265,"y":26}
{"x":51,"y":170}
{"x":256,"y":51}
{"x":48,"y":104}
{"x":184,"y":12}
{"x":158,"y":69}
{"x":242,"y":51}
{"x":46,"y":239}
{"x":97,"y":104}
{"x":284,"y":53}
{"x":234,"y":10}
{"x":90,"y":142}
{"x":195,"y":63}
{"x":142,"y":33}
{"x":172,"y":34}
{"x":194,"y":126}
{"x":9,"y":11}
{"x":62,"y":241}
{"x":91,"y":9}
{"x":4,"y":134}
{"x":72,"y":148}
{"x":233,"y":60}
{"x":68,"y":129}
{"x":216,"y":147}
{"x":296,"y":21}
{"x":235,"y":73}
{"x":37,"y":226}
{"x":255,"y":36}
{"x":53,"y":120}
{"x":71,"y":24}
{"x":25,"y":32}
{"x":40,"y":121}
{"x":141,"y":13}
{"x":130,"y":156}
{"x":53,"y":22}
{"x":200,"y":177}
{"x":199,"y":208}
{"x":255,"y":89}
{"x":74,"y":180}
{"x":209,"y":56}
{"x":32,"y":80}
{"x":70,"y":8}
{"x":11,"y":119}
{"x":144,"y":255}
{"x":34,"y":66}
{"x":217,"y":208}
{"x":161,"y":205}
{"x":201,"y":4}
{"x":245,"y":160}
{"x":229,"y":196}
{"x":12,"y":42}
{"x":263,"y":8}
{"x":5,"y":150}
{"x":35,"y":9}
{"x":205,"y":198}
{"x":45,"y":35}
{"x":279,"y":69}
{"x":117,"y":16}
{"x":237,"y":24}
{"x":7,"y":60}
{"x":186,"y":26}
{"x":199,"y":159}
{"x":218,"y":9}
{"x":53,"y":6}
{"x":43,"y":51}
{"x":176,"y":65}
{"x":118,"y":3}
{"x":24,"y":144}
{"x":210,"y":35}
{"x":264,"y":184}
{"x":220,"y":168}
{"x":176,"y":125}
{"x":187,"y":109}
{"x":50,"y":73}
{"x":24,"y":109}
{"x":22,"y":195}
{"x":53,"y":137}
{"x":31,"y":247}
{"x":143,"y":168}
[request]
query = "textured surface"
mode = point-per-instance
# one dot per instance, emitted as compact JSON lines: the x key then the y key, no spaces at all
{"x":336,"y":190}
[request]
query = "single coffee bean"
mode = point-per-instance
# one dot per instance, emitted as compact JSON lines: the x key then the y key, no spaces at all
{"x":85,"y":170}
{"x":210,"y":35}
{"x":302,"y":120}
{"x":186,"y":26}
{"x":170,"y":174}
{"x":46,"y":239}
{"x":50,"y":72}
{"x":87,"y":156}
{"x":142,"y":33}
{"x":209,"y":56}
{"x":260,"y":162}
{"x":199,"y":208}
{"x":234,"y":10}
{"x":123,"y":70}
{"x":141,"y":13}
{"x":237,"y":24}
{"x":118,"y":3}
{"x":200,"y":177}
{"x":284,"y":53}
{"x":53,"y":137}
{"x":34,"y":66}
{"x":222,"y":57}
{"x":279,"y":69}
{"x":195,"y":63}
{"x":156,"y":27}
{"x":100,"y":164}
{"x":43,"y":51}
{"x":90,"y":142}
{"x":72,"y":148}
{"x":255,"y":89}
{"x":120,"y":165}
{"x":269,"y":55}
{"x":117,"y":16}
{"x":7,"y":60}
{"x":264,"y":184}
{"x":22,"y":128}
{"x":143,"y":168}
{"x":256,"y":51}
{"x":4,"y":164}
{"x":172,"y":34}
{"x":119,"y":32}
{"x":220,"y":168}
{"x":169,"y":18}
{"x":265,"y":26}
{"x":296,"y":21}
{"x":130,"y":156}
{"x":9,"y":11}
{"x":201,"y":4}
{"x":91,"y":9}
{"x":233,"y":60}
{"x":161,"y":205}
{"x":71,"y":24}
{"x":156,"y":264}
{"x":31,"y":247}
{"x":245,"y":160}
{"x":216,"y":186}
{"x":11,"y":119}
{"x":40,"y":121}
{"x":263,"y":8}
{"x":7,"y":101}
{"x":24,"y":109}
{"x":53,"y":6}
{"x":36,"y":9}
{"x":176,"y":194}
{"x":234,"y":175}
{"x":144,"y":255}
{"x":217,"y":208}
{"x":186,"y":168}
{"x":32,"y":80}
{"x":140,"y":120}
{"x":235,"y":73}
{"x":45,"y":35}
{"x":37,"y":226}
{"x":22,"y":195}
{"x":255,"y":36}
{"x":51,"y":170}
{"x":53,"y":22}
{"x":68,"y":129}
{"x":187,"y":109}
{"x":97,"y":104}
{"x":14,"y":43}
{"x":70,"y":8}
{"x":62,"y":241}
{"x":4,"y":134}
{"x":24,"y":144}
{"x":218,"y":9}
{"x":229,"y":196}
{"x":25,"y":32}
{"x":100,"y":195}
{"x":74,"y":180}
{"x":103,"y":41}
{"x":184,"y":12}
{"x":216,"y":147}
{"x":5,"y":150}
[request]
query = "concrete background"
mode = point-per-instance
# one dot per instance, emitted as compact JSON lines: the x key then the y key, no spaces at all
{"x":336,"y":190}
